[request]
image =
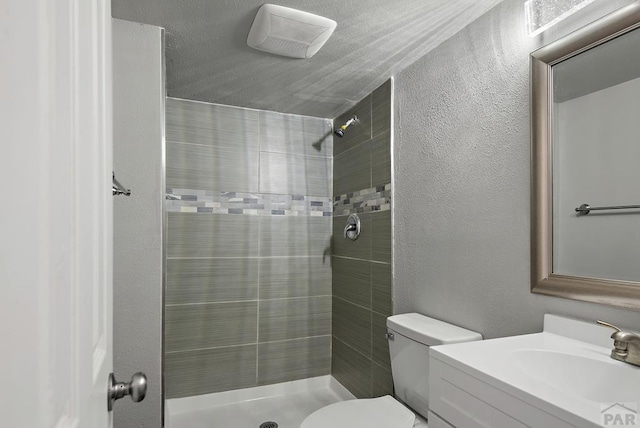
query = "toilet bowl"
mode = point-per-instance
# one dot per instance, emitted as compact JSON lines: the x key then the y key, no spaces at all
{"x":366,"y":413}
{"x":410,"y":336}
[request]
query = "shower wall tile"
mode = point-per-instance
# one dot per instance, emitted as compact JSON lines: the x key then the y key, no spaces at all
{"x":295,"y":174}
{"x":344,"y":247}
{"x":351,"y":369}
{"x":362,"y":274}
{"x":381,"y":158}
{"x":286,"y":277}
{"x":352,"y":325}
{"x":192,"y":166}
{"x":209,"y":370}
{"x":211,"y":124}
{"x":379,"y":342}
{"x":362,"y":201}
{"x":294,"y":236}
{"x":209,"y":325}
{"x":211,"y":280}
{"x":381,"y":289}
{"x":301,"y":135}
{"x":352,"y":280}
{"x":381,"y":109}
{"x":381,"y":381}
{"x":249,"y":207}
{"x":216,"y":235}
{"x":294,"y":359}
{"x":357,"y":133}
{"x":294,"y":318}
{"x":262,"y":204}
{"x":352,"y":169}
{"x":381,"y":236}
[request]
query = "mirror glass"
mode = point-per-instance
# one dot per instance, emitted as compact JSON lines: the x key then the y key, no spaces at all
{"x":596,"y":161}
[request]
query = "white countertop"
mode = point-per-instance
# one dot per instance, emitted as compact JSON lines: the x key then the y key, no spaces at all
{"x":571,"y":379}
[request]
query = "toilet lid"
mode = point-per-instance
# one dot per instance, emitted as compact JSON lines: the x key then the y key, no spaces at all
{"x":383,"y":412}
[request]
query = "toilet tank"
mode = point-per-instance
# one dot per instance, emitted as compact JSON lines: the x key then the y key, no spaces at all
{"x":410,"y":336}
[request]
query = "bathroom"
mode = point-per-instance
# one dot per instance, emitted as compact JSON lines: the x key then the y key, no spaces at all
{"x":441,"y":153}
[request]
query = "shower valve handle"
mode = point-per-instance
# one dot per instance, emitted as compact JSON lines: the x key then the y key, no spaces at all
{"x":349,"y":228}
{"x":353,"y":228}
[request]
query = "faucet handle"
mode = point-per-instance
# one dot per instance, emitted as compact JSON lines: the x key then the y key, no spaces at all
{"x":620,"y":337}
{"x":606,"y":324}
{"x":619,"y":351}
{"x":626,"y":345}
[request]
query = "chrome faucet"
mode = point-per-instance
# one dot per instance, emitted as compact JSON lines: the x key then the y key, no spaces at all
{"x":626,"y":346}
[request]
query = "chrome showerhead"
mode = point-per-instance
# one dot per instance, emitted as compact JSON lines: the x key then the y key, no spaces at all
{"x":340,"y":131}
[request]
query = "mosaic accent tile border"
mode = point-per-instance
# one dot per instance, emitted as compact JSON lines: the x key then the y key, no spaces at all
{"x":202,"y":201}
{"x":366,"y":200}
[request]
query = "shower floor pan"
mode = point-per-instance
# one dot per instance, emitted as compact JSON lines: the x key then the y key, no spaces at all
{"x":287,"y":404}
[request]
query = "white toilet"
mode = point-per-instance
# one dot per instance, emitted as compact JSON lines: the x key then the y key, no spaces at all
{"x":410,"y":336}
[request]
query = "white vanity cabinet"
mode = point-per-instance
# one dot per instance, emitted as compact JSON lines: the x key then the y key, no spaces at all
{"x":461,"y":400}
{"x":562,"y":377}
{"x":436,"y":421}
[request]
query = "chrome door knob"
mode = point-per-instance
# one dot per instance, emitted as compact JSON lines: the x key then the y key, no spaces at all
{"x":137,"y":389}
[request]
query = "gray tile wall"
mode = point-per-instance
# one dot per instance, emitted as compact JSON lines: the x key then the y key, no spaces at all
{"x":248,"y":297}
{"x":361,"y":283}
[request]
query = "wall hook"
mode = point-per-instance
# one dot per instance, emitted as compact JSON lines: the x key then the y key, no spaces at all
{"x":119,"y":189}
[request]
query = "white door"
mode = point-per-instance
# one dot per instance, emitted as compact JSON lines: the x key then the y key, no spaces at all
{"x":56,"y":240}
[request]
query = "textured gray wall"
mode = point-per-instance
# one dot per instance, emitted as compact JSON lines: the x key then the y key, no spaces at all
{"x":462,"y":180}
{"x":138,"y":104}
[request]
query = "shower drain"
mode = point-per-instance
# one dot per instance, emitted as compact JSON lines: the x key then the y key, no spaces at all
{"x":268,"y":425}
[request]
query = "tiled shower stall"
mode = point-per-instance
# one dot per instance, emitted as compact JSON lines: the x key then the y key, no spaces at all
{"x":253,"y":199}
{"x":362,"y":285}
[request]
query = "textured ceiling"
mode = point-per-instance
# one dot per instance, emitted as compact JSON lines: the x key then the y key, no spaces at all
{"x":208,"y":59}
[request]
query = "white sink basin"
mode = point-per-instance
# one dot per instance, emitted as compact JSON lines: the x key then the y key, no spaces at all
{"x":566,"y":371}
{"x":581,"y":376}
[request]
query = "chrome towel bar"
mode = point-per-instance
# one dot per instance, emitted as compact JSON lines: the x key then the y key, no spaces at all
{"x":585,"y":209}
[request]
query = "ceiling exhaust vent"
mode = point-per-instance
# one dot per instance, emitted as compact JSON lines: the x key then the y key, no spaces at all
{"x":289,"y":32}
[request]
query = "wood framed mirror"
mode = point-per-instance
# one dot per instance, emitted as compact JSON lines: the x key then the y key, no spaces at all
{"x":557,"y":71}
